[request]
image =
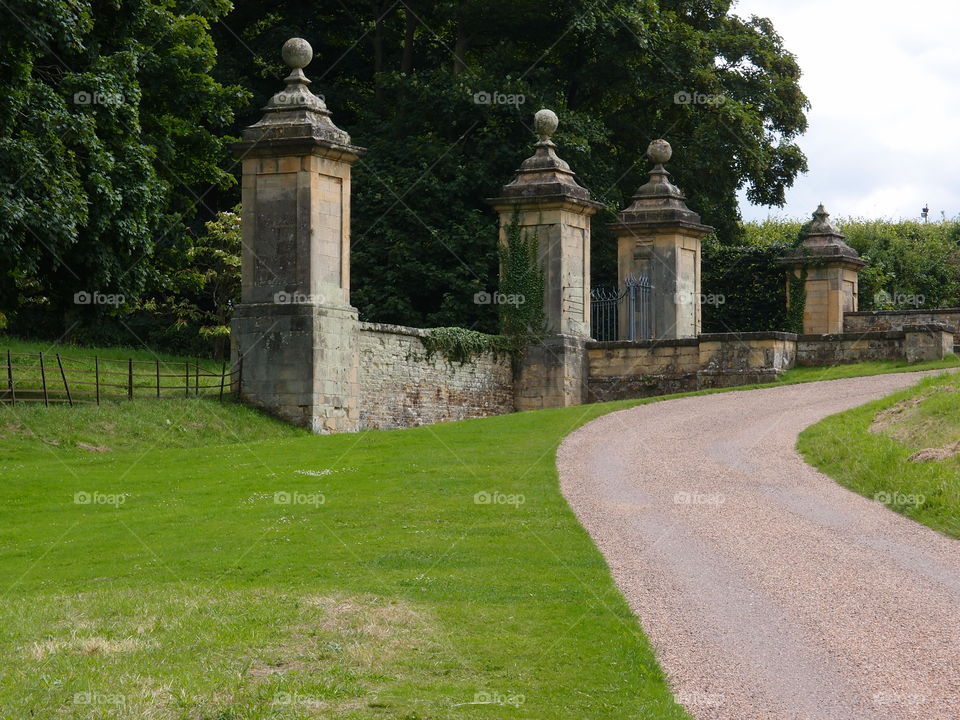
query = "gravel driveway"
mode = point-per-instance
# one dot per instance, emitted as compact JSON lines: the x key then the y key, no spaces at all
{"x":769,"y":591}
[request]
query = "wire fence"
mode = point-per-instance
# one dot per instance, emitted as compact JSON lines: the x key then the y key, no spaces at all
{"x":54,"y":379}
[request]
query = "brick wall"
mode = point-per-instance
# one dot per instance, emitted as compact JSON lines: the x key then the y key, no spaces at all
{"x":400,"y":387}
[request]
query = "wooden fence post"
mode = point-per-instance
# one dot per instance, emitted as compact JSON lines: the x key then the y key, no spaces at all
{"x":63,"y":376}
{"x":196,"y":383}
{"x":13,"y":390}
{"x":43,"y":379}
{"x":129,"y":378}
{"x":223,"y":377}
{"x":96,"y":377}
{"x":186,"y":379}
{"x":158,"y":378}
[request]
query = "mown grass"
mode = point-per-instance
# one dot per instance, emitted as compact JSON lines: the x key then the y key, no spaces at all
{"x":880,"y":367}
{"x":193,"y":559}
{"x":182,"y":586}
{"x":877,"y":464}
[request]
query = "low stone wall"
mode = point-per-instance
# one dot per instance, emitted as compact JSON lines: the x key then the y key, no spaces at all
{"x":400,"y":387}
{"x":621,"y":370}
{"x":730,"y":359}
{"x":886,"y":320}
{"x":817,"y":350}
{"x":913,"y":343}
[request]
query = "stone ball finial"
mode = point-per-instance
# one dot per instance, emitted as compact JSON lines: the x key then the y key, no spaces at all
{"x":659,"y":152}
{"x":545,"y":122}
{"x":297,"y":53}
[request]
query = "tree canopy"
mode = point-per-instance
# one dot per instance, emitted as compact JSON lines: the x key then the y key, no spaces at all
{"x":112,"y":129}
{"x":116,"y":115}
{"x":427,"y":87}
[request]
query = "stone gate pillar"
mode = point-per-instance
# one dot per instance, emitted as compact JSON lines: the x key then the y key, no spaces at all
{"x":833,"y":268}
{"x":550,"y":203}
{"x":294,"y":328}
{"x":658,"y":236}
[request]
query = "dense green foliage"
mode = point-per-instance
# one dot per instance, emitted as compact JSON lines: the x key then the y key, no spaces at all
{"x":116,"y":114}
{"x":107,"y":192}
{"x":521,"y":297}
{"x":910,"y":265}
{"x":424,"y":239}
{"x":459,"y":345}
{"x":752,"y":284}
{"x":111,"y":131}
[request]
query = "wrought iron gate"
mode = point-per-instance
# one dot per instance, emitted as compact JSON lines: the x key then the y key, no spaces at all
{"x":635,"y":300}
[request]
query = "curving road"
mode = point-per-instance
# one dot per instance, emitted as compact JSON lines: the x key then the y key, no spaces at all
{"x":768,"y":591}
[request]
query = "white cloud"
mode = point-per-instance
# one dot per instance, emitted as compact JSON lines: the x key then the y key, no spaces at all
{"x":883,"y":78}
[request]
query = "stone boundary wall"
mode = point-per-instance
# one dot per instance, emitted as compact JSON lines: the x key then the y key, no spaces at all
{"x":816,"y":350}
{"x":886,"y":320}
{"x":621,"y":370}
{"x":400,"y":387}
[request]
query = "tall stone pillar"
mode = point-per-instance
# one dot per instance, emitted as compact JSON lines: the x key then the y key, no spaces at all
{"x":550,"y":203}
{"x":294,"y":328}
{"x":659,"y":237}
{"x":833,"y":268}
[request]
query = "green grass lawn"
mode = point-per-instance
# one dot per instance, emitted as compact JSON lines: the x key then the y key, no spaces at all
{"x":191,"y":559}
{"x":876,"y":462}
{"x":176,"y":583}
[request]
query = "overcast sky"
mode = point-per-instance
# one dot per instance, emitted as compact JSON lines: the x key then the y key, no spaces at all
{"x":883,"y":79}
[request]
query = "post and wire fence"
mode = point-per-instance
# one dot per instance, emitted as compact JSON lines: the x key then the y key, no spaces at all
{"x":51,"y":378}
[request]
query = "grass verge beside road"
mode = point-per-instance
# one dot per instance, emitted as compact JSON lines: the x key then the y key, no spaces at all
{"x":873,"y":450}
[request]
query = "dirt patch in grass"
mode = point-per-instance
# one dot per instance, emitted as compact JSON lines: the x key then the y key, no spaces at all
{"x":907,"y":423}
{"x":92,"y":448}
{"x":366,"y":632}
{"x":93,"y":645}
{"x":936,"y":454}
{"x":299,"y":655}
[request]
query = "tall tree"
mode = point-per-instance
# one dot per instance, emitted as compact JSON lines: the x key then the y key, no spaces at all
{"x":110,"y":133}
